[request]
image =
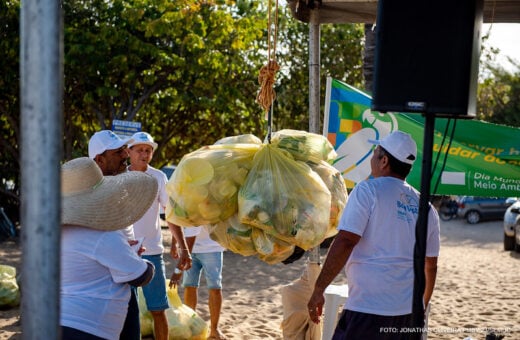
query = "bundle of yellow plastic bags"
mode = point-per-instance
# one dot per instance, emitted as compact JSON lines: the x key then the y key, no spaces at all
{"x":285,"y":198}
{"x":204,"y":187}
{"x":183,"y":322}
{"x":260,"y":199}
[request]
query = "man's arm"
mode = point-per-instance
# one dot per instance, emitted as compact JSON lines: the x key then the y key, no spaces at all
{"x":145,"y":277}
{"x":179,"y":241}
{"x":338,"y":254}
{"x":190,"y":241}
{"x":178,"y":272}
{"x":430,"y":272}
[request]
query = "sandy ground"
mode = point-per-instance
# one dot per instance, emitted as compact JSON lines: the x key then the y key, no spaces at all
{"x":478,"y":289}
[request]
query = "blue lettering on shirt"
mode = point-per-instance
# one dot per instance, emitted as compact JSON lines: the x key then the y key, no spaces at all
{"x":407,"y":205}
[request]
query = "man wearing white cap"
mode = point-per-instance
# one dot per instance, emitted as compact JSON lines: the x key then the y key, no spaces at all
{"x":110,"y":152}
{"x":375,"y":245}
{"x":97,"y":264}
{"x":141,"y":151}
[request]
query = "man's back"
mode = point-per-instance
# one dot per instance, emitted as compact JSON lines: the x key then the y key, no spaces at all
{"x":383,"y":211}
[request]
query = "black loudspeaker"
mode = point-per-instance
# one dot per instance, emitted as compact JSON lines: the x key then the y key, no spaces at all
{"x":427,"y":55}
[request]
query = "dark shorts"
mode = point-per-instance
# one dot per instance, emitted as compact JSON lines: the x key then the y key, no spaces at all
{"x":68,"y":333}
{"x":132,"y":327}
{"x":357,"y":325}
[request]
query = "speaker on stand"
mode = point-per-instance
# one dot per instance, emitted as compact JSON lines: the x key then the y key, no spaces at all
{"x":426,"y":61}
{"x":427,"y":55}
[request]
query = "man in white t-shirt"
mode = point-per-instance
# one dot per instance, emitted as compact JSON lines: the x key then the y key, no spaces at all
{"x":97,"y":264}
{"x":376,"y":242}
{"x":148,"y":228}
{"x":110,"y":152}
{"x":207,"y":257}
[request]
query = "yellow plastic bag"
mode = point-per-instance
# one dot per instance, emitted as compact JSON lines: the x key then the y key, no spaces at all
{"x":285,"y":198}
{"x":204,"y":187}
{"x":270,"y":249}
{"x":247,"y":241}
{"x":9,"y":290}
{"x":234,"y":236}
{"x":304,"y":146}
{"x":338,"y":191}
{"x":240,"y":139}
{"x":183,"y":322}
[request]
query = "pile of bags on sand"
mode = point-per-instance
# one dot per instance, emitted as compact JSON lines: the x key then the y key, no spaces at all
{"x":9,"y":289}
{"x":183,"y":322}
{"x":261,"y":199}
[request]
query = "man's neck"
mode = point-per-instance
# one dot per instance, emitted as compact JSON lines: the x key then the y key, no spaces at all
{"x":132,"y":167}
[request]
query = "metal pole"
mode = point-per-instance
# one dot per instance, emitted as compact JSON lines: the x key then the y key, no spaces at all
{"x":41,"y":77}
{"x":421,"y":228}
{"x":314,"y":72}
{"x":314,"y":91}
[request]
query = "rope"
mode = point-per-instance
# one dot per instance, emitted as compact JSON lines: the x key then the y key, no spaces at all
{"x":266,"y":77}
{"x":267,"y":95}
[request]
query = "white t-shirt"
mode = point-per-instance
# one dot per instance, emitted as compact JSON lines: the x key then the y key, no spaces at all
{"x":149,"y":226}
{"x":384,"y":211}
{"x":203,"y":243}
{"x":95,"y":266}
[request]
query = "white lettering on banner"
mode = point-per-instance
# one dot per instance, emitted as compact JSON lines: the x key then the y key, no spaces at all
{"x":485,"y":185}
{"x":512,"y":187}
{"x":484,"y":181}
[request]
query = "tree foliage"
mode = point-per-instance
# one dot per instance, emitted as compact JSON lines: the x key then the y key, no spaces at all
{"x":182,"y":69}
{"x":340,"y":57}
{"x":186,"y":70}
{"x":9,"y":108}
{"x":499,"y":90}
{"x":499,"y":98}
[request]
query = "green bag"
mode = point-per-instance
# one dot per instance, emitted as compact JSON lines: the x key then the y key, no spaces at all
{"x":9,"y":290}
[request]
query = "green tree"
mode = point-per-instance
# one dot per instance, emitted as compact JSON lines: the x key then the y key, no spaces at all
{"x":340,"y":56}
{"x":9,"y":108}
{"x":183,"y":69}
{"x":499,"y":90}
{"x":186,"y":69}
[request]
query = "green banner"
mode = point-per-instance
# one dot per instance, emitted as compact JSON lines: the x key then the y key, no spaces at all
{"x":470,"y":157}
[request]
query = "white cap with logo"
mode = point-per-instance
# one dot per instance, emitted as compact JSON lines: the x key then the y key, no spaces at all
{"x":105,"y":140}
{"x":400,"y":145}
{"x":143,"y":138}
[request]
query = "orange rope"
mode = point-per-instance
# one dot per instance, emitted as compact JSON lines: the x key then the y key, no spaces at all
{"x":266,"y":77}
{"x":267,"y":95}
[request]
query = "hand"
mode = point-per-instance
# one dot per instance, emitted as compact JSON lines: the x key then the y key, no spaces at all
{"x":175,"y":278}
{"x":140,"y":250}
{"x":315,"y":307}
{"x":184,"y":260}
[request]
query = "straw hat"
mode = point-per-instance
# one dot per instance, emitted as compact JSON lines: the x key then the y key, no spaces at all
{"x":100,"y":202}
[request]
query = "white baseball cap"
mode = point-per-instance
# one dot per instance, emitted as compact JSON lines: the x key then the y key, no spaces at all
{"x":400,"y":145}
{"x":143,"y":138}
{"x":105,"y":140}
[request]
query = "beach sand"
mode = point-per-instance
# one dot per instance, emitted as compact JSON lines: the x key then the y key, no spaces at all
{"x":478,"y":288}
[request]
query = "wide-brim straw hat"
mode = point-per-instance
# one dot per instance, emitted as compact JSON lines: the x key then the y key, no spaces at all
{"x":92,"y":200}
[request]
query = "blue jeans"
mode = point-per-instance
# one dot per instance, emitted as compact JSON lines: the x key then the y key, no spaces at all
{"x":211,"y":264}
{"x":155,"y":291}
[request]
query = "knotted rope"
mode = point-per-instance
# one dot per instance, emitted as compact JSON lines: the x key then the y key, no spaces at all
{"x":267,"y":95}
